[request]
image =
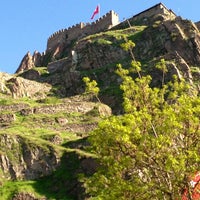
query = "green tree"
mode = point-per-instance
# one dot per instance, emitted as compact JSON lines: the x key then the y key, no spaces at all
{"x":150,"y":151}
{"x":91,"y":87}
{"x":162,"y":66}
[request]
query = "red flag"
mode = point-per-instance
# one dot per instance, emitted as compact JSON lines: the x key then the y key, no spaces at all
{"x":195,"y":187}
{"x":95,"y":12}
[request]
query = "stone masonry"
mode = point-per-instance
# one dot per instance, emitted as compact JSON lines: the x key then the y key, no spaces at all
{"x":81,"y":30}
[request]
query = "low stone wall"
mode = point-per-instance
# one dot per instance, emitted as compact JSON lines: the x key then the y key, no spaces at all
{"x":80,"y":107}
{"x":13,"y":107}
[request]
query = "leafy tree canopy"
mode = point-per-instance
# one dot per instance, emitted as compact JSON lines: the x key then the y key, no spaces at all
{"x":151,"y":150}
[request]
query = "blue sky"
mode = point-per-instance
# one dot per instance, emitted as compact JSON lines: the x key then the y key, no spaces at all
{"x":26,"y":25}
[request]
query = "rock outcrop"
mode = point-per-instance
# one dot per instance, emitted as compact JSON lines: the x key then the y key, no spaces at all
{"x":20,"y":158}
{"x":4,"y":77}
{"x":26,"y":63}
{"x":29,"y":61}
{"x":20,"y":87}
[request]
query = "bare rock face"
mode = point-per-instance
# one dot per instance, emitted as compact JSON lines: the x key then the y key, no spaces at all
{"x":4,"y":77}
{"x":21,"y":87}
{"x":93,"y":56}
{"x":184,"y":68}
{"x":29,"y":61}
{"x":22,"y":159}
{"x":184,"y":39}
{"x":26,"y":63}
{"x":37,"y":58}
{"x":178,"y":66}
{"x":31,"y":74}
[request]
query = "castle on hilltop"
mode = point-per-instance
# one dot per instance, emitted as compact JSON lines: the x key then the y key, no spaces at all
{"x":60,"y":43}
{"x":81,"y":30}
{"x":104,"y":23}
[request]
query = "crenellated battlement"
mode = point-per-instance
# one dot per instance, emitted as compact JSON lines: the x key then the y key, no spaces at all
{"x":56,"y":33}
{"x":77,"y":26}
{"x":80,"y":30}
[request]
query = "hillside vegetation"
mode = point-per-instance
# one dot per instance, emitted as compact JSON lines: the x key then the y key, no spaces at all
{"x":113,"y":115}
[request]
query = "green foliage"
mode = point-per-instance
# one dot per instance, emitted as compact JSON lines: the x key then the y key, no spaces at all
{"x":103,"y":41}
{"x":116,"y":37}
{"x":4,"y":102}
{"x":195,"y":69}
{"x":162,"y":66}
{"x":112,"y":90}
{"x":91,"y":87}
{"x":42,"y":70}
{"x":156,"y":24}
{"x":51,"y":100}
{"x":10,"y":188}
{"x":135,"y":66}
{"x":150,"y":151}
{"x":128,"y":45}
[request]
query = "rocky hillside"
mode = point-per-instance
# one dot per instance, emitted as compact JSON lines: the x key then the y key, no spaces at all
{"x":176,"y":40}
{"x":45,"y":119}
{"x":45,"y":139}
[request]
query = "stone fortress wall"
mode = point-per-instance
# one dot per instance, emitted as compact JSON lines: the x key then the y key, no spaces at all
{"x":80,"y":30}
{"x":153,"y":11}
{"x":145,"y":17}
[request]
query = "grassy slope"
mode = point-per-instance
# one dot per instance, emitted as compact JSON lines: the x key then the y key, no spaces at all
{"x":41,"y":128}
{"x":38,"y":129}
